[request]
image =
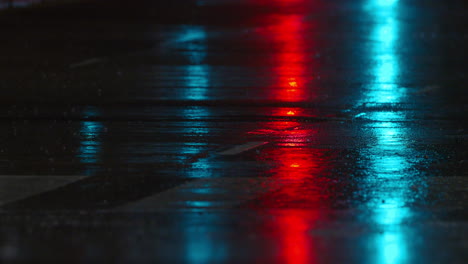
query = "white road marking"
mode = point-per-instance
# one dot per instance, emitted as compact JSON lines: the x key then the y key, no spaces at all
{"x":428,"y":89}
{"x":17,"y":187}
{"x":359,"y":115}
{"x":242,"y":148}
{"x":230,"y":192}
{"x":214,"y":193}
{"x":459,"y":136}
{"x":86,"y":62}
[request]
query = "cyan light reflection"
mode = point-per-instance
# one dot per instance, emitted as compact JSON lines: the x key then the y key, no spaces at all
{"x":89,"y":145}
{"x":391,"y":244}
{"x":201,"y":247}
{"x":192,"y":39}
{"x":384,"y":56}
{"x":197,"y":80}
{"x":388,"y":172}
{"x":390,"y":156}
{"x":389,"y":3}
{"x":90,"y":141}
{"x":199,"y":129}
{"x":197,"y":76}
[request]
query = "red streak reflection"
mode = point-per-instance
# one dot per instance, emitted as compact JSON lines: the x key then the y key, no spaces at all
{"x":297,"y":163}
{"x":296,"y":242}
{"x":287,"y":111}
{"x":290,"y":70}
{"x":302,"y":195}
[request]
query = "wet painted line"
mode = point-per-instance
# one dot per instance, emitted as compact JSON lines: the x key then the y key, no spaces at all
{"x":359,"y":115}
{"x":459,"y":136}
{"x":94,"y":193}
{"x":86,"y":62}
{"x":17,"y":187}
{"x":212,"y":193}
{"x":241,"y":148}
{"x":165,"y":45}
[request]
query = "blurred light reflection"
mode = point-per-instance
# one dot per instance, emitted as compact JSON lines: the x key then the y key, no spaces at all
{"x":296,"y":243}
{"x":295,"y":161}
{"x":197,"y":80}
{"x":389,"y":158}
{"x":201,"y":247}
{"x":287,"y":35}
{"x":384,"y":55}
{"x":192,"y":39}
{"x":197,"y":77}
{"x":296,"y":246}
{"x":90,"y":141}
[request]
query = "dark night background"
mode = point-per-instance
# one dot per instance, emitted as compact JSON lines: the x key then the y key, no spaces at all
{"x":233,"y":131}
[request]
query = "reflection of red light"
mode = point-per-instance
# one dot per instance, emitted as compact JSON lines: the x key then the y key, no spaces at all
{"x":294,"y":159}
{"x":294,"y":165}
{"x":296,"y":241}
{"x":292,"y":144}
{"x":291,"y":57}
{"x":286,"y":111}
{"x":299,"y":164}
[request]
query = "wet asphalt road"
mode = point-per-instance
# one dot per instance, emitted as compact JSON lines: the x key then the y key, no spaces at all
{"x":235,"y":132}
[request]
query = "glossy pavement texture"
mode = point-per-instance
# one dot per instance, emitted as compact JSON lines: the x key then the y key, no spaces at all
{"x":253,"y":131}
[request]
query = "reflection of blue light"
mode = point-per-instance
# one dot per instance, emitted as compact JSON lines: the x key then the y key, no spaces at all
{"x":391,"y":244}
{"x":386,"y":70}
{"x":391,"y":248}
{"x":90,"y":144}
{"x":202,"y":247}
{"x":199,"y":203}
{"x":197,"y":80}
{"x":384,"y":56}
{"x":389,"y":157}
{"x":200,"y":129}
{"x":386,"y":2}
{"x":386,"y":34}
{"x":189,"y":34}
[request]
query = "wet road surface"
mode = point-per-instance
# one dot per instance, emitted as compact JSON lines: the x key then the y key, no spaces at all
{"x":235,"y":132}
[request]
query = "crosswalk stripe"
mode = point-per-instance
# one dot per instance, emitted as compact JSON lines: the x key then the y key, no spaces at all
{"x":147,"y":193}
{"x":213,"y":193}
{"x":17,"y":187}
{"x":86,"y":62}
{"x":93,"y":192}
{"x":232,"y":192}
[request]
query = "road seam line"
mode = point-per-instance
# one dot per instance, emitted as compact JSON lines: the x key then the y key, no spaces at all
{"x":242,"y":148}
{"x":86,"y":62}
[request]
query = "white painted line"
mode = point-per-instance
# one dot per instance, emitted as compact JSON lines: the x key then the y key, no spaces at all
{"x":86,"y":62}
{"x":448,"y":183}
{"x":428,"y":89}
{"x":212,"y":193}
{"x":460,"y":136}
{"x":230,"y":192}
{"x":359,"y":115}
{"x":268,"y":131}
{"x":242,"y":148}
{"x":17,"y":187}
